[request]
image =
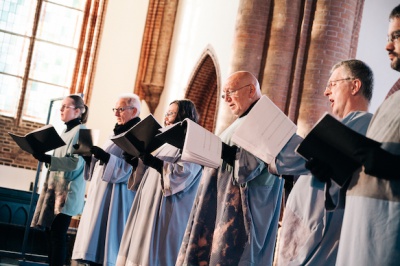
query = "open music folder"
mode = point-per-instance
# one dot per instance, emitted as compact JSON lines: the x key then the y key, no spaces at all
{"x":333,"y":143}
{"x":265,"y":131}
{"x":197,"y":143}
{"x":41,"y":140}
{"x":140,"y":138}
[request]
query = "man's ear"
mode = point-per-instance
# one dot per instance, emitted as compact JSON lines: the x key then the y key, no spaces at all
{"x":356,"y":86}
{"x":134,"y":113}
{"x":252,"y":90}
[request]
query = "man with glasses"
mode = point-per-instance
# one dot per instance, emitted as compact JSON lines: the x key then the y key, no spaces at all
{"x":109,"y":200}
{"x":235,"y":215}
{"x":371,"y":223}
{"x":310,"y":229}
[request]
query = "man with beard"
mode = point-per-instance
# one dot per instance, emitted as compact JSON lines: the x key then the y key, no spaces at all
{"x":371,"y":223}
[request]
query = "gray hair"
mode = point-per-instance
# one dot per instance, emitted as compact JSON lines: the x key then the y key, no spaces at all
{"x":131,"y":99}
{"x":359,"y":70}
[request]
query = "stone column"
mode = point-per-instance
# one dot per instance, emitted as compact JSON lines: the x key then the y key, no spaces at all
{"x":248,"y":46}
{"x":332,"y":38}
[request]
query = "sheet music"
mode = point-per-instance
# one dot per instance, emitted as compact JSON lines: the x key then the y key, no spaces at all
{"x":265,"y":131}
{"x":201,"y":146}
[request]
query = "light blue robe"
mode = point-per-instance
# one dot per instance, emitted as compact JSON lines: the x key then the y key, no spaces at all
{"x":310,"y":234}
{"x":159,"y":213}
{"x":64,"y":187}
{"x":235,"y":216}
{"x":106,"y":210}
{"x":371,"y":224}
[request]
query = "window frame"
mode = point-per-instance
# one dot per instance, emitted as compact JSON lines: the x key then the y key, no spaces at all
{"x":86,"y":51}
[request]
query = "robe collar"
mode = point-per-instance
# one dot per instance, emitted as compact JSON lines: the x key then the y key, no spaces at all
{"x":248,"y":109}
{"x":72,"y":123}
{"x":118,"y":129}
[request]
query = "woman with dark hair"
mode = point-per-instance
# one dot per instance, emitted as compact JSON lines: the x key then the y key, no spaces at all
{"x":179,"y":110}
{"x":64,"y":188}
{"x":164,"y":198}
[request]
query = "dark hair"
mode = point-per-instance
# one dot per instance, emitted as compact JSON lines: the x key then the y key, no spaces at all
{"x":79,"y":104}
{"x":186,"y":109}
{"x":359,"y":70}
{"x":395,"y":13}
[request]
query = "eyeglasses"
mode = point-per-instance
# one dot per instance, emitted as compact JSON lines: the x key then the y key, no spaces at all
{"x":333,"y":82}
{"x":168,"y":114}
{"x":67,"y":106}
{"x":121,"y":109}
{"x":394,"y":37}
{"x":231,"y":93}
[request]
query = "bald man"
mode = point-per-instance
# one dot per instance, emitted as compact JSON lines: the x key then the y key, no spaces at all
{"x":235,"y":215}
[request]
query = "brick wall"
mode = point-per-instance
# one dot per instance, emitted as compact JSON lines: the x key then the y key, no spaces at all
{"x":10,"y":153}
{"x":155,"y":50}
{"x":203,"y":90}
{"x":332,"y":34}
{"x":282,"y":46}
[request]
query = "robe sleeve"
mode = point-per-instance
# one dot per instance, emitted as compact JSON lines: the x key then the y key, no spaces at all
{"x":116,"y":170}
{"x":65,"y":164}
{"x":288,"y":162}
{"x":179,"y":176}
{"x":137,"y":176}
{"x":247,"y":166}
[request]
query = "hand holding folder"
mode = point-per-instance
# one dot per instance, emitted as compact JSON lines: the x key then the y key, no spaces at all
{"x":140,"y":138}
{"x":334,"y":144}
{"x":197,"y":143}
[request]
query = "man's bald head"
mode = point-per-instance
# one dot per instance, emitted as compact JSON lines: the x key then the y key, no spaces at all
{"x":240,"y":91}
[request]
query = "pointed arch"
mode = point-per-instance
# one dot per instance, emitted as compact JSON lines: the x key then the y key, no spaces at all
{"x":20,"y":216}
{"x":5,"y":214}
{"x":203,"y":88}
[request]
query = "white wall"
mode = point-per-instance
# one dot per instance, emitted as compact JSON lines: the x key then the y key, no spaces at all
{"x":117,"y":63}
{"x":199,"y":23}
{"x":371,"y":47}
{"x":16,"y":178}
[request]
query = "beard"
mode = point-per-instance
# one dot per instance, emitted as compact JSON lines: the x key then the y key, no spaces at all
{"x":395,"y":64}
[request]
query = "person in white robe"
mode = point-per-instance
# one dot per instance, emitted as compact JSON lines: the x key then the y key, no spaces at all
{"x":235,"y":216}
{"x":166,"y":188}
{"x":310,"y":230}
{"x":371,"y":225}
{"x":109,"y":200}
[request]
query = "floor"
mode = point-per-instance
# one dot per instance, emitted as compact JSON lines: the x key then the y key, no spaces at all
{"x":8,"y":258}
{"x":7,"y":261}
{"x":11,"y":262}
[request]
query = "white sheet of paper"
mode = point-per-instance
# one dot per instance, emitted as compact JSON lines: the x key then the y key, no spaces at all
{"x":201,"y":146}
{"x":265,"y":131}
